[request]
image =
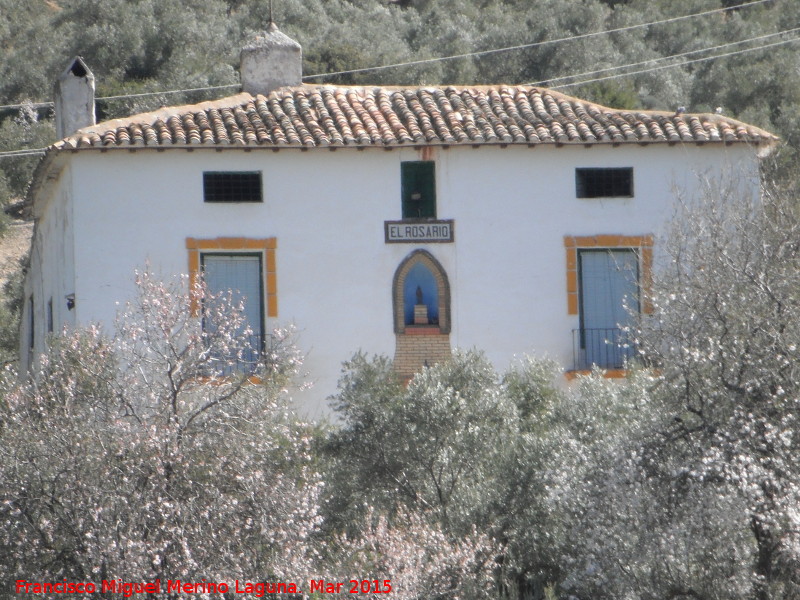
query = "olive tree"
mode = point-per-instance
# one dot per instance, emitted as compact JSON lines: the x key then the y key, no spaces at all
{"x":462,"y":449}
{"x":432,"y":446}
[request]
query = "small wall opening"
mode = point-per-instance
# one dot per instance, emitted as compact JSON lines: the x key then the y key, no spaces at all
{"x":420,"y":289}
{"x":420,"y":272}
{"x":78,"y":69}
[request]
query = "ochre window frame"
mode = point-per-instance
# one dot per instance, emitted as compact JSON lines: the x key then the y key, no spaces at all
{"x":267,"y":246}
{"x":642,"y":244}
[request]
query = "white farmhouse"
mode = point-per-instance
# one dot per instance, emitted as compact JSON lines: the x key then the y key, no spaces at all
{"x":397,"y":220}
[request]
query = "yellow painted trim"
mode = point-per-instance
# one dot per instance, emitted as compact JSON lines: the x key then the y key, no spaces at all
{"x":643,"y":242}
{"x":572,"y":282}
{"x":266,"y":245}
{"x":608,"y":373}
{"x":572,"y":304}
{"x":572,"y":260}
{"x":232,"y":243}
{"x":194,"y":269}
{"x":272,"y":305}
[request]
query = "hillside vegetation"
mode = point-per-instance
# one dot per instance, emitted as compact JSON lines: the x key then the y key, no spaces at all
{"x":143,"y":46}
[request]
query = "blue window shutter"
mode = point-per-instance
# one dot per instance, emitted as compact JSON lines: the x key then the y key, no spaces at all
{"x":609,"y":289}
{"x":241,"y":274}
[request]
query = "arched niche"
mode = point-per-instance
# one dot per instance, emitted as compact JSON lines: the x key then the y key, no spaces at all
{"x":420,"y":277}
{"x":420,"y":288}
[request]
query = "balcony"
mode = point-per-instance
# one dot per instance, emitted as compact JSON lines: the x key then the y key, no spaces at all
{"x":607,"y":348}
{"x":246,"y":360}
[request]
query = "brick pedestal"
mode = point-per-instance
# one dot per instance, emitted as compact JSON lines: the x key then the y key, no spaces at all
{"x":419,"y":347}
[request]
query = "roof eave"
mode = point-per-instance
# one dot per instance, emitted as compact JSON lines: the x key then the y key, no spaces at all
{"x":45,"y":176}
{"x":765,"y":146}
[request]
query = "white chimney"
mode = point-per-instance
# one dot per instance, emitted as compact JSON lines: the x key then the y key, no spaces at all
{"x":74,"y":98}
{"x":271,"y":61}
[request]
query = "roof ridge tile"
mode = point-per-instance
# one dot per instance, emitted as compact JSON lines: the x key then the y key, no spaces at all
{"x":311,"y":116}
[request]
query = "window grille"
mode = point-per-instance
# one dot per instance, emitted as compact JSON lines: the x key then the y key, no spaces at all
{"x":604,"y":183}
{"x":242,"y":186}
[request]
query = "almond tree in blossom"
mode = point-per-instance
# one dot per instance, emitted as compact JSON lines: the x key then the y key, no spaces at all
{"x":152,"y":454}
{"x":686,"y":482}
{"x":411,"y":558}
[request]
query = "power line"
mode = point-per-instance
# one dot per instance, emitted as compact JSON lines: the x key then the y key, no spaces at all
{"x":546,"y":82}
{"x":41,"y":151}
{"x":24,"y":104}
{"x":26,"y":152}
{"x":537,"y":44}
{"x":145,"y":94}
{"x":418,"y":62}
{"x":681,"y":64}
{"x":124,"y":96}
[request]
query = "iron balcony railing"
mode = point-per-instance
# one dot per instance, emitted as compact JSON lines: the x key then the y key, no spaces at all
{"x":248,"y":361}
{"x":607,"y":348}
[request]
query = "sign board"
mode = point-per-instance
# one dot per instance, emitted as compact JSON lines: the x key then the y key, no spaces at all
{"x":419,"y":232}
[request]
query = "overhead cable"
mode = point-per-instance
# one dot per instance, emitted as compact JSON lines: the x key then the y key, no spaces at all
{"x":547,"y":82}
{"x":124,"y":96}
{"x":679,"y":64}
{"x":423,"y":61}
{"x":537,"y":44}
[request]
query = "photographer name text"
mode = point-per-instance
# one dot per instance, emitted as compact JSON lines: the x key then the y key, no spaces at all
{"x":177,"y":586}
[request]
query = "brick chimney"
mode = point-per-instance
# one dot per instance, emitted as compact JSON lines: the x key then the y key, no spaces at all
{"x":271,"y":61}
{"x":74,"y":98}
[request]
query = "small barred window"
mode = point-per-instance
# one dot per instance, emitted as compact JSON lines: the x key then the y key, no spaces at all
{"x":604,"y":183}
{"x":227,"y":186}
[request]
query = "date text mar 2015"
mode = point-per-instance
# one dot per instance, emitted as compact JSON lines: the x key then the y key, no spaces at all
{"x":353,"y":586}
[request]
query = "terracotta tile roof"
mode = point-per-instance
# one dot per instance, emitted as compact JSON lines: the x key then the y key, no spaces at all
{"x":328,"y":116}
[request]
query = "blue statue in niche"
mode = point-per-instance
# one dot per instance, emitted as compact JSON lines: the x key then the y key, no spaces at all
{"x":420,"y":287}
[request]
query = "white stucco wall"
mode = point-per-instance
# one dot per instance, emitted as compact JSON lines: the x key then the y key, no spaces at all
{"x":507,"y":268}
{"x":50,"y":273}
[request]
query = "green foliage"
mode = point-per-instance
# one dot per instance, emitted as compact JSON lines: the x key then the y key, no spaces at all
{"x":10,"y":314}
{"x":431,"y":446}
{"x":155,"y":45}
{"x":26,"y":130}
{"x":460,"y":445}
{"x":528,"y":383}
{"x":614,"y":94}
